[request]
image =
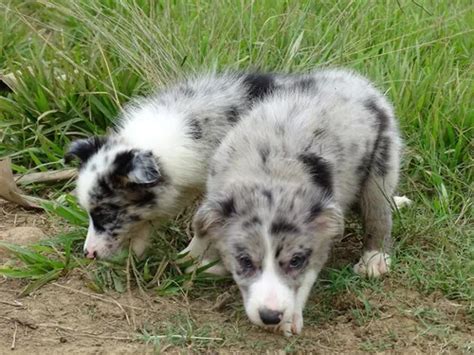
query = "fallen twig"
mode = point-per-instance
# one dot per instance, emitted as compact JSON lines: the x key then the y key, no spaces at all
{"x":107,"y":337}
{"x":85,"y":334}
{"x":178,"y":336}
{"x":25,"y":323}
{"x":100,"y":298}
{"x":46,"y":176}
{"x":129,"y":292}
{"x":56,"y":326}
{"x":12,"y":347}
{"x":13,"y":304}
{"x":222,"y":301}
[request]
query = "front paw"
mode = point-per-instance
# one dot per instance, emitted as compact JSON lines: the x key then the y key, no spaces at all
{"x":284,"y":328}
{"x":373,"y":264}
{"x":217,"y":269}
{"x":297,"y":324}
{"x":292,"y":326}
{"x":139,"y":245}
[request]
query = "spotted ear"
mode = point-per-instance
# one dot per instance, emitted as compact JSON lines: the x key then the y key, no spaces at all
{"x":83,"y":149}
{"x":326,"y":219}
{"x":211,"y":215}
{"x":135,"y":167}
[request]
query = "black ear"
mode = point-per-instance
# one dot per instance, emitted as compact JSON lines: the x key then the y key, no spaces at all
{"x":136,"y":167}
{"x":83,"y":149}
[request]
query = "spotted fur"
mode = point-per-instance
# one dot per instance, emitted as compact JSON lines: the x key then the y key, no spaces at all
{"x":156,"y":161}
{"x":272,"y":213}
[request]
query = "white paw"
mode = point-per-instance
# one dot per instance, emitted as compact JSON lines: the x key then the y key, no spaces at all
{"x":373,"y":264}
{"x":292,"y":326}
{"x":402,"y":201}
{"x":284,"y":328}
{"x":297,"y":324}
{"x":139,"y":245}
{"x":216,"y":269}
{"x":184,"y":255}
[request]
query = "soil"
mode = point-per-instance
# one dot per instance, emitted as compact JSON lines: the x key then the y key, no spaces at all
{"x":66,"y":317}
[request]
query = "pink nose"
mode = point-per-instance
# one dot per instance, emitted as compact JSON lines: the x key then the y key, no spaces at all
{"x":90,"y":254}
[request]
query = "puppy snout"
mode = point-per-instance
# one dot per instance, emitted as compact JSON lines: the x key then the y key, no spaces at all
{"x":270,"y":317}
{"x":90,"y":254}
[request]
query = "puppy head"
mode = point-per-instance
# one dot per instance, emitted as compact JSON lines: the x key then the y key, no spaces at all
{"x":118,"y":188}
{"x":270,"y":238}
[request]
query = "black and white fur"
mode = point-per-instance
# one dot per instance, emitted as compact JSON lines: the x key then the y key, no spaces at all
{"x":155,"y":162}
{"x":283,"y":179}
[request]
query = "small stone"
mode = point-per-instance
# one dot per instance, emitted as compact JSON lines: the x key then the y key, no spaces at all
{"x":21,"y":236}
{"x":24,"y":235}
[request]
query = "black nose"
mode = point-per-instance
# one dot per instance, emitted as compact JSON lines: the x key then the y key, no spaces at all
{"x":270,"y":317}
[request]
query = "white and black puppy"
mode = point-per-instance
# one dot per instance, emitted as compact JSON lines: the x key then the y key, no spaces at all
{"x":156,"y":161}
{"x":281,"y":182}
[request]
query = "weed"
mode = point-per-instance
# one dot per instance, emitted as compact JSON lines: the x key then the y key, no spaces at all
{"x":77,"y":63}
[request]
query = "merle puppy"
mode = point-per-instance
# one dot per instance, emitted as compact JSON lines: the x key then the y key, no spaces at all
{"x":155,"y":162}
{"x":281,"y":182}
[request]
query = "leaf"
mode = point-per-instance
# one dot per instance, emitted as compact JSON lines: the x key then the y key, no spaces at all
{"x":118,"y":284}
{"x":33,"y":286}
{"x":20,"y":273}
{"x":72,"y":213}
{"x":8,"y":82}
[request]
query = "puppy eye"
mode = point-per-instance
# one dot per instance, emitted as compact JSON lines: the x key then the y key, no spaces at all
{"x":245,"y":263}
{"x":297,"y":261}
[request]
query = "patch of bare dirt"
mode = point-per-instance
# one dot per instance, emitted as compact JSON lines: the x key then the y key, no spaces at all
{"x":24,"y":226}
{"x":12,"y":216}
{"x":67,"y":317}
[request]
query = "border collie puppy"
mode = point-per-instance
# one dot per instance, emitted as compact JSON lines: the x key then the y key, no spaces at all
{"x":155,"y":162}
{"x":281,"y":182}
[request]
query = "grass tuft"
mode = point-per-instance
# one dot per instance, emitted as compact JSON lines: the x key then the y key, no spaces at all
{"x":77,"y":63}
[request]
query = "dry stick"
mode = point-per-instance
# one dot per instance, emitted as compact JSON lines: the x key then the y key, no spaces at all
{"x":222,"y":300}
{"x":47,"y":176}
{"x":101,"y":298}
{"x":25,"y":323}
{"x":143,"y":293}
{"x":129,"y":290}
{"x":57,"y":326}
{"x":13,"y":304}
{"x":12,"y":347}
{"x":84,"y":334}
{"x":104,"y":337}
{"x":325,"y":347}
{"x":178,"y":336}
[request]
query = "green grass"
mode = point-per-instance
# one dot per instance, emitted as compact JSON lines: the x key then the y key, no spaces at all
{"x":78,"y":62}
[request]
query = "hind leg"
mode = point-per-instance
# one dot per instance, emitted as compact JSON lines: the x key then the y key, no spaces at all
{"x":377,"y":215}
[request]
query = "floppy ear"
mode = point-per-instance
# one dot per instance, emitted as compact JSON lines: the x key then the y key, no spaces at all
{"x":136,"y":167}
{"x":327,"y":219}
{"x":83,"y":149}
{"x":212,"y":215}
